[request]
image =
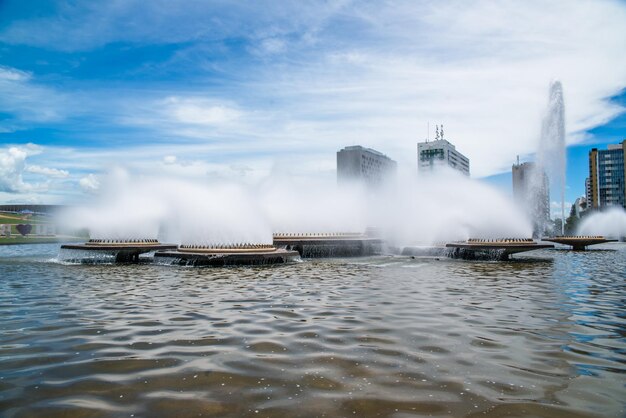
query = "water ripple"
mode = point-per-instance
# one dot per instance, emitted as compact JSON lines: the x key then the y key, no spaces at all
{"x":384,"y":336}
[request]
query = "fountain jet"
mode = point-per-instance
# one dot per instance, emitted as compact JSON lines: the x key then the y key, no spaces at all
{"x":551,"y":155}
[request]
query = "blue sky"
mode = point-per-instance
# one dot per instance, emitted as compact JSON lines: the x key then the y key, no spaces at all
{"x":217,"y":89}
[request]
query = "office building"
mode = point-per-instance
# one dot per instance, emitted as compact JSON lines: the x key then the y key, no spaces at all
{"x":440,"y":153}
{"x":532,"y":194}
{"x":607,"y":173}
{"x":356,"y":163}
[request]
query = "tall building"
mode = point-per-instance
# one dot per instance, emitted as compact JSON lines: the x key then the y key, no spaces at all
{"x":438,"y":153}
{"x":607,"y":173}
{"x":356,"y":163}
{"x":531,"y":193}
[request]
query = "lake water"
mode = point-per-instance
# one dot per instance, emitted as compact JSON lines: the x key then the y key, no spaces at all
{"x":543,"y":335}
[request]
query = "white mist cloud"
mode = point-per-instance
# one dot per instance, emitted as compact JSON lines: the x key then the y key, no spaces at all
{"x":609,"y":223}
{"x":444,"y":208}
{"x":172,"y":210}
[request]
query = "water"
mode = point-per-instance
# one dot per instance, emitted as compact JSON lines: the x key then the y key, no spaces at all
{"x":609,"y":222}
{"x":551,"y":155}
{"x":365,"y":337}
{"x":188,"y":212}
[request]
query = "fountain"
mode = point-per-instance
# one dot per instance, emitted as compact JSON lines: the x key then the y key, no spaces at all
{"x":579,"y":242}
{"x":340,"y":244}
{"x":226,"y":255}
{"x":120,"y":251}
{"x":230,"y":224}
{"x":551,"y":153}
{"x":493,"y":249}
{"x":609,"y":223}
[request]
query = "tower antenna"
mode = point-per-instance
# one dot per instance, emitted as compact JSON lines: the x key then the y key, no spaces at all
{"x":442,"y":131}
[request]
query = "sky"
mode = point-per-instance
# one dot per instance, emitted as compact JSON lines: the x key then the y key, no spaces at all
{"x":242,"y":90}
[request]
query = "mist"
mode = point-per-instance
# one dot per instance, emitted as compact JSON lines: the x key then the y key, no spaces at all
{"x":447,"y":206}
{"x":407,"y":211}
{"x":171,"y":210}
{"x":610,"y":223}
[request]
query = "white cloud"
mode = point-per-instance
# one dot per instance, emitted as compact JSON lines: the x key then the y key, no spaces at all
{"x":482,"y":69}
{"x":85,"y":25}
{"x":271,"y":46}
{"x":27,"y":101}
{"x":12,"y":162}
{"x":199,"y":111}
{"x":13,"y":165}
{"x":345,"y":73}
{"x":169,"y":159}
{"x":26,"y":200}
{"x":48,"y":172}
{"x":89,"y":183}
{"x":8,"y":74}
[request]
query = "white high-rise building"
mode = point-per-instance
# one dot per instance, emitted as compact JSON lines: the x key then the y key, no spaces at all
{"x":440,"y":153}
{"x":357,"y":163}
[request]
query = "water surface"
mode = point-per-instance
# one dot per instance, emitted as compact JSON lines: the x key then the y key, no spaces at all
{"x":543,"y":335}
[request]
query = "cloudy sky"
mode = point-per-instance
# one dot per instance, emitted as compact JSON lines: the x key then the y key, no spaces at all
{"x":223,"y":89}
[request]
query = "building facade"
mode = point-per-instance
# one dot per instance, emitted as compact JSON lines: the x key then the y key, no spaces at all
{"x":440,"y":153}
{"x":588,"y":193}
{"x":531,"y":193}
{"x":359,"y":164}
{"x":607,"y":173}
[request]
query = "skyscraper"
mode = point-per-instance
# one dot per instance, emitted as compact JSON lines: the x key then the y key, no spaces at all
{"x":531,"y":193}
{"x":607,"y":173}
{"x":356,"y":163}
{"x":440,"y":153}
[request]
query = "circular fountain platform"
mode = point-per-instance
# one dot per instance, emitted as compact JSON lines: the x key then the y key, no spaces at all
{"x":341,"y":244}
{"x":227,"y":255}
{"x":122,"y":250}
{"x":579,"y":242}
{"x":499,"y":249}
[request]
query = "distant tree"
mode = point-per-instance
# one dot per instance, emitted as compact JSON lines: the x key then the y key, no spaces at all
{"x":555,"y":227}
{"x":571,"y":222}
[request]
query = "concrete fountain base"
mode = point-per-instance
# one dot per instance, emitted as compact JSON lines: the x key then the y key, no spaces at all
{"x":124,"y":251}
{"x":330,"y":244}
{"x":218,"y":256}
{"x":580,"y":242}
{"x":498,"y":249}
